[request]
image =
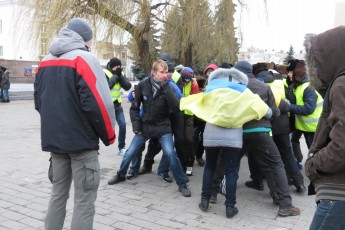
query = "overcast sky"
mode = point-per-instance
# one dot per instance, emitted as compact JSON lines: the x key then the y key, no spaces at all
{"x":287,"y":23}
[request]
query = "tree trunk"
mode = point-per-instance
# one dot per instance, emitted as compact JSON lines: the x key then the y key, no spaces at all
{"x":188,"y":56}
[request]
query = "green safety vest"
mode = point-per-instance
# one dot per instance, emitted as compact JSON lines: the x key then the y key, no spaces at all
{"x":307,"y":123}
{"x":277,"y":87}
{"x":186,"y":89}
{"x":115,"y":91}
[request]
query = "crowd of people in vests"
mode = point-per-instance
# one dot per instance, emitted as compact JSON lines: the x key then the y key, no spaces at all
{"x":186,"y":115}
{"x":259,"y":111}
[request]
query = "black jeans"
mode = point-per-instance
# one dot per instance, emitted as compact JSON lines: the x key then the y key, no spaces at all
{"x":263,"y":152}
{"x":296,"y":135}
{"x":283,"y":143}
{"x":199,"y":127}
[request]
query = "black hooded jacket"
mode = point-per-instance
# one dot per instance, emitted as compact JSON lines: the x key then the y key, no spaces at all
{"x":155,"y":119}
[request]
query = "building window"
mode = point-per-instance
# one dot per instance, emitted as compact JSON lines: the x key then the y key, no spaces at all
{"x":1,"y":51}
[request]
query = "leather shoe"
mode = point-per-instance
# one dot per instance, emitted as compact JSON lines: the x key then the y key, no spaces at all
{"x":254,"y":185}
{"x":203,"y":205}
{"x":144,"y":170}
{"x":231,"y":211}
{"x":116,"y":179}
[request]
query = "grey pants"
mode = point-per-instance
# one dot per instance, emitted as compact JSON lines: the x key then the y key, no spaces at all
{"x":84,"y":169}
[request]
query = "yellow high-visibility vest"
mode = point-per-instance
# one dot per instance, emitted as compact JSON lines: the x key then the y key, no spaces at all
{"x":115,"y":91}
{"x":278,"y":90}
{"x":307,"y":123}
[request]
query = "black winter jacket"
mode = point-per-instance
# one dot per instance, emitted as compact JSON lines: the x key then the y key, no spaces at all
{"x":73,"y":98}
{"x":265,"y":93}
{"x":157,"y":109}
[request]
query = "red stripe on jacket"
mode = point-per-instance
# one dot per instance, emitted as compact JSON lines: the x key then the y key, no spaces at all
{"x":84,"y":70}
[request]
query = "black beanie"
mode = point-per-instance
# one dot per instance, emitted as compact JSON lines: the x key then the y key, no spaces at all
{"x":81,"y":27}
{"x":113,"y":62}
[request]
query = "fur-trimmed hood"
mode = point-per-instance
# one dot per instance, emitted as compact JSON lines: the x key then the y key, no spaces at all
{"x":232,"y":75}
{"x":325,"y":55}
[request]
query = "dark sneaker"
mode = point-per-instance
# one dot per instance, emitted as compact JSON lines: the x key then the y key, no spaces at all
{"x":131,"y":175}
{"x":184,"y":191}
{"x":292,"y":211}
{"x":231,"y":211}
{"x":254,"y":185}
{"x":116,"y":179}
{"x":201,"y":162}
{"x":300,"y":188}
{"x":144,"y":170}
{"x":165,"y":177}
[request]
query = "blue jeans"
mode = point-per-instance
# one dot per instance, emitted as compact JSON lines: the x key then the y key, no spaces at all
{"x":329,"y":215}
{"x":167,"y":144}
{"x":5,"y":95}
{"x":136,"y":161}
{"x":120,"y":119}
{"x":232,"y":159}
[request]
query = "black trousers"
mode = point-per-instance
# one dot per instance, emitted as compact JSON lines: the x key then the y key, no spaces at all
{"x":263,"y":152}
{"x":284,"y":146}
{"x":199,"y":127}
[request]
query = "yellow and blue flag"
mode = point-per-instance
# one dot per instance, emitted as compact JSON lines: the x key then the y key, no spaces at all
{"x":225,"y":104}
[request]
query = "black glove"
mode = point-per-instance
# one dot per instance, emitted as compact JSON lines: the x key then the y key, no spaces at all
{"x":118,"y":71}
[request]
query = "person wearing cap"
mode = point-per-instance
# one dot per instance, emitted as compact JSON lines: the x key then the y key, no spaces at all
{"x":117,"y":80}
{"x":71,"y":95}
{"x":190,"y":87}
{"x":280,"y":126}
{"x":261,"y":150}
{"x":308,"y":106}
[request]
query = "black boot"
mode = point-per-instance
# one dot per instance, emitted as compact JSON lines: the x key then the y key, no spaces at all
{"x":231,"y":211}
{"x":144,"y":169}
{"x":204,"y":204}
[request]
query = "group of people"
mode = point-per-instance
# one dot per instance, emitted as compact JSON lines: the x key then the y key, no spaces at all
{"x":4,"y":84}
{"x":229,"y":112}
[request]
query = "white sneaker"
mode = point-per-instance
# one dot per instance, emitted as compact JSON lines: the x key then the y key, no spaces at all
{"x":189,"y":171}
{"x":121,"y":152}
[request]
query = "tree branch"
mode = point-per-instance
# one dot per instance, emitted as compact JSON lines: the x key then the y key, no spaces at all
{"x":104,"y":12}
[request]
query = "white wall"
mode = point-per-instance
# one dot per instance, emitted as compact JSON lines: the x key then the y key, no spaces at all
{"x":16,"y":36}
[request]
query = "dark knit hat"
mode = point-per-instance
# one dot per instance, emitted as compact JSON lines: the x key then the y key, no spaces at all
{"x":113,"y":62}
{"x":244,"y":67}
{"x":293,"y":63}
{"x":187,"y":74}
{"x":166,"y":57}
{"x":81,"y":27}
{"x":225,"y":65}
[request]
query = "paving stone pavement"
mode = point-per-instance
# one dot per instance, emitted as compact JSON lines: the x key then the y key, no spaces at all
{"x":145,"y":202}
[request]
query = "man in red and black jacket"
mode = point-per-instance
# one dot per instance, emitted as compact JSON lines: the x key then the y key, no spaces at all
{"x":73,"y":99}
